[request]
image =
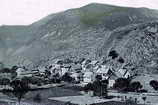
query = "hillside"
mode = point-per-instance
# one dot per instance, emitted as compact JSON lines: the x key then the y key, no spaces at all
{"x":137,"y":44}
{"x":73,"y":33}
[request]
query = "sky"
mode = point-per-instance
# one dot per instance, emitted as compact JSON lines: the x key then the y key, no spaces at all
{"x":24,"y":12}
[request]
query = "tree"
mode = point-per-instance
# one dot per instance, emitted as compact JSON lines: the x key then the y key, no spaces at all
{"x":26,"y":80}
{"x":20,"y":88}
{"x":6,"y":70}
{"x":121,"y":84}
{"x":113,"y":54}
{"x":13,"y":75}
{"x":98,"y":77}
{"x":121,"y":60}
{"x":144,"y":99}
{"x":67,"y":78}
{"x":104,"y":85}
{"x":100,"y":86}
{"x":154,"y":84}
{"x":14,"y":68}
{"x":135,"y":86}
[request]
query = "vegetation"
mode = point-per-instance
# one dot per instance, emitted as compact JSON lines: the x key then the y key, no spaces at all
{"x":125,"y":85}
{"x":113,"y":54}
{"x":67,"y":78}
{"x":20,"y":88}
{"x":144,"y":99}
{"x":154,"y":84}
{"x":135,"y":86}
{"x":122,"y":84}
{"x":121,"y":60}
{"x":99,"y":87}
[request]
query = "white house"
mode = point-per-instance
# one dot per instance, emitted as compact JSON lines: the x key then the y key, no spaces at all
{"x":22,"y":72}
{"x":111,"y":83}
{"x":103,"y":71}
{"x":41,"y":69}
{"x":63,"y":70}
{"x":76,"y":76}
{"x":88,"y":77}
{"x":124,"y":73}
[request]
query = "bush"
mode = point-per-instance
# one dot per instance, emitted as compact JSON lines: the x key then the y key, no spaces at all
{"x":67,"y":78}
{"x":135,"y":86}
{"x":113,"y":54}
{"x":121,"y":60}
{"x":121,"y":84}
{"x":154,"y":84}
{"x":143,"y":91}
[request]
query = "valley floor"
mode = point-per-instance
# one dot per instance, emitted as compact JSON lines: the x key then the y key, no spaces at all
{"x":62,"y":95}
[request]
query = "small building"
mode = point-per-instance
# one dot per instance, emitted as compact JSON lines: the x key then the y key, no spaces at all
{"x":77,"y":76}
{"x":88,"y":77}
{"x":63,"y":70}
{"x":124,"y":73}
{"x":42,"y":69}
{"x":103,"y":71}
{"x":21,"y":72}
{"x":111,"y":83}
{"x":76,"y":67}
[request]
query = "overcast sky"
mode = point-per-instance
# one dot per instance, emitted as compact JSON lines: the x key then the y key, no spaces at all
{"x":22,"y":12}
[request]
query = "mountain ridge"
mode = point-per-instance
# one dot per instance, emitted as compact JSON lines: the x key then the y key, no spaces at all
{"x":73,"y":33}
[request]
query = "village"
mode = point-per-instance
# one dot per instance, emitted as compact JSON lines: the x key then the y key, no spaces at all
{"x":82,"y":73}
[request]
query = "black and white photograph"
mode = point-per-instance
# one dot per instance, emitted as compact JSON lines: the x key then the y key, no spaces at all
{"x":78,"y":52}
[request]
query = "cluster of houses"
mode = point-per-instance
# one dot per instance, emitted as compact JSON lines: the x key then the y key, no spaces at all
{"x":83,"y":71}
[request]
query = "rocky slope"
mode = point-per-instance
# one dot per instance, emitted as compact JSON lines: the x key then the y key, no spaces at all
{"x":137,"y":44}
{"x":72,"y":33}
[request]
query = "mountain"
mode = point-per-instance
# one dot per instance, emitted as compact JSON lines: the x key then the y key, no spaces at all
{"x":137,"y":44}
{"x":79,"y":32}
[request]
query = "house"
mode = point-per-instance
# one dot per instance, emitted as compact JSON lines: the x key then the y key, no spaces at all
{"x":21,"y":72}
{"x":95,"y":62}
{"x":85,"y":63}
{"x":88,"y":77}
{"x":64,"y":69}
{"x":54,"y":69}
{"x":103,"y":71}
{"x":76,"y":67}
{"x":124,"y":73}
{"x":111,"y":83}
{"x":35,"y":72}
{"x":41,"y":69}
{"x":77,"y":76}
